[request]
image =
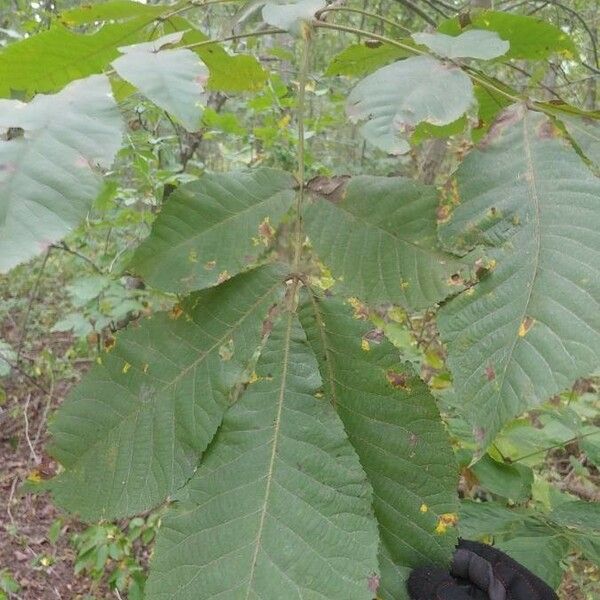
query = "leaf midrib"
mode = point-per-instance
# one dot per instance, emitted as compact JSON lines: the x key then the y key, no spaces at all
{"x":535,"y":200}
{"x":275,"y":442}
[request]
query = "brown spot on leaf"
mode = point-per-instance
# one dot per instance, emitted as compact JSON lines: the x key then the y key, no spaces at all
{"x":547,"y":130}
{"x":373,"y":43}
{"x":209,"y":265}
{"x":456,"y":279}
{"x":490,"y":373}
{"x":331,"y":188}
{"x":176,"y":312}
{"x":398,"y":380}
{"x":526,"y":324}
{"x":375,"y":336}
{"x":373,"y":581}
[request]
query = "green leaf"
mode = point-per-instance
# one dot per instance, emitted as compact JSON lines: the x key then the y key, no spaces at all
{"x":361,"y":59}
{"x":48,"y":177}
{"x":479,"y":519}
{"x":237,"y":73}
{"x":47,"y":61}
{"x":540,"y":549}
{"x":291,"y":14}
{"x":132,"y":431}
{"x":213,"y":228}
{"x":475,"y":43}
{"x":172,"y":79}
{"x":578,"y":514}
{"x":280,"y":507}
{"x":529,"y":38}
{"x":113,"y":10}
{"x":394,"y":425}
{"x":396,"y":98}
{"x":510,"y":481}
{"x":425,"y":130}
{"x":228,"y":73}
{"x":585,"y":131}
{"x":489,"y":105}
{"x":381,"y":242}
{"x":530,"y":327}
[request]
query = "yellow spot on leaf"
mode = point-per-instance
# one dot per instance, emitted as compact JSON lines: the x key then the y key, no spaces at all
{"x":364,"y":344}
{"x":193,"y":256}
{"x":145,"y":367}
{"x":284,"y":121}
{"x":35,"y":476}
{"x":99,"y":360}
{"x":444,"y":521}
{"x":424,"y":508}
{"x":223,"y":276}
{"x":210,"y":264}
{"x":126,"y":367}
{"x":525,"y":326}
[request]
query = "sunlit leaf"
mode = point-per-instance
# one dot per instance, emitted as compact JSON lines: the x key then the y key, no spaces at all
{"x":113,"y":10}
{"x":280,"y":506}
{"x":133,"y":430}
{"x":529,"y":37}
{"x":396,"y":98}
{"x":361,"y":59}
{"x":49,"y":167}
{"x":531,"y":326}
{"x":380,"y":241}
{"x":47,"y":61}
{"x":213,"y":228}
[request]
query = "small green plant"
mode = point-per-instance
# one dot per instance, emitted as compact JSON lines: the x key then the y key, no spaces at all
{"x":8,"y":585}
{"x":107,"y":552}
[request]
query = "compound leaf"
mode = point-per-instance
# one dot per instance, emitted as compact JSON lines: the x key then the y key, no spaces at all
{"x":381,"y":242}
{"x":48,"y":170}
{"x":532,"y":325}
{"x":213,"y":228}
{"x":132,"y":431}
{"x":394,"y":425}
{"x":280,"y":507}
{"x":396,"y":98}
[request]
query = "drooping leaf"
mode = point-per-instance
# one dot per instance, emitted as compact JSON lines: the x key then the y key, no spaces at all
{"x":133,"y":430}
{"x":235,"y":73}
{"x":538,"y":548}
{"x":394,"y":425}
{"x":113,"y":10}
{"x":290,"y":14}
{"x":280,"y":506}
{"x":511,"y":481}
{"x":396,"y":98}
{"x":381,"y":242}
{"x":47,"y":61}
{"x":213,"y":228}
{"x":480,"y":519}
{"x":585,"y":132}
{"x":532,"y":325}
{"x":529,"y":37}
{"x":474,"y":43}
{"x":490,"y":104}
{"x":173,"y":78}
{"x":361,"y":59}
{"x":48,"y":170}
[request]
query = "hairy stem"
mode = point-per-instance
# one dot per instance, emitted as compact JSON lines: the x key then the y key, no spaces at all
{"x":302,"y":81}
